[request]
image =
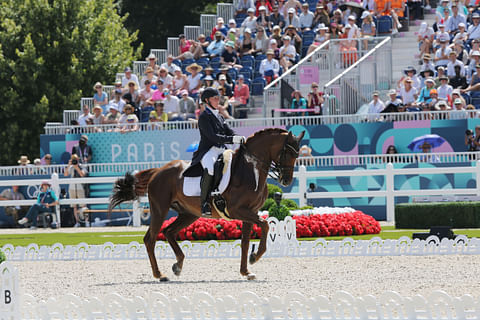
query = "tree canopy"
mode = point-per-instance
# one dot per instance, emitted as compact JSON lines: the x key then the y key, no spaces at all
{"x":51,"y":54}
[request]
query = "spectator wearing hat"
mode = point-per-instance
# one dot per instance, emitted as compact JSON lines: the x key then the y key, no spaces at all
{"x":48,"y":159}
{"x":230,"y":57}
{"x":296,"y":40}
{"x":149,"y":75}
{"x":337,"y":18}
{"x":75,"y":169}
{"x":46,"y":202}
{"x":113,"y":116}
{"x":440,"y":10}
{"x":367,"y":29}
{"x":441,"y":34}
{"x":128,"y":121}
{"x":430,"y":104}
{"x":452,"y":62}
{"x":462,"y":54}
{"x":269,"y":67}
{"x":276,"y":19}
{"x":132,"y":96}
{"x":263,"y":3}
{"x":171,"y":104}
{"x":241,"y":95}
{"x":320,"y":37}
{"x":424,"y":96}
{"x":442,"y":53}
{"x":224,"y":71}
{"x":353,"y":31}
{"x":186,"y":105}
{"x":458,"y":81}
{"x":471,"y":67}
{"x":159,"y":114}
{"x":261,"y":42}
{"x":315,"y":100}
{"x":185,"y":47}
{"x":425,"y":39}
{"x":375,"y":106}
{"x":83,"y":150}
{"x":454,"y":20}
{"x":320,"y":16}
{"x":146,"y":103}
{"x":245,"y":44}
{"x":393,"y":104}
{"x":305,"y":18}
{"x":274,"y":47}
{"x":458,"y":111}
{"x":427,"y":64}
{"x":84,"y":116}
{"x":408,"y":93}
{"x":100,"y":98}
{"x":291,"y":19}
{"x":277,"y":36}
{"x":169,"y":65}
{"x":97,"y":118}
{"x":243,"y":6}
{"x":461,"y":34}
{"x":250,"y":21}
{"x":179,"y":82}
{"x":287,"y":53}
{"x":152,"y":63}
{"x":232,"y":35}
{"x":117,"y":101}
{"x":194,"y":78}
{"x":262,"y":17}
{"x":215,"y":48}
{"x":222,"y":83}
{"x":129,"y":76}
{"x":200,"y":47}
{"x":291,"y":4}
{"x":474,"y":29}
{"x":444,"y":90}
{"x":428,"y":74}
{"x":410,"y":72}
{"x":165,"y":77}
{"x":442,"y":105}
{"x":298,"y":102}
{"x":207,"y":81}
{"x":224,"y":107}
{"x":219,"y":27}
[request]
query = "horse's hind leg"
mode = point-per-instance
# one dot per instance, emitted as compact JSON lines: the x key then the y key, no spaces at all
{"x":183,"y":220}
{"x":150,"y":238}
{"x":262,"y":247}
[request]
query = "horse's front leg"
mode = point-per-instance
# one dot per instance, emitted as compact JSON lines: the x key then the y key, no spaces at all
{"x":246,"y":230}
{"x":262,"y":247}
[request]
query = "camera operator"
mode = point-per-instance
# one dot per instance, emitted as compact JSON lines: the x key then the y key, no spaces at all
{"x":83,"y":150}
{"x":472,"y":141}
{"x":76,"y":190}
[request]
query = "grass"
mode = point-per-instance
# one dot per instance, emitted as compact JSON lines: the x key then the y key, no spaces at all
{"x":92,"y":238}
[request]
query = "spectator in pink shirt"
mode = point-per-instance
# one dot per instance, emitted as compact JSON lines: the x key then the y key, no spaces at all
{"x":241,"y":93}
{"x":185,"y":48}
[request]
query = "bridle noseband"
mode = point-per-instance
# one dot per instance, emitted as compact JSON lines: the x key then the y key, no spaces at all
{"x":275,"y":168}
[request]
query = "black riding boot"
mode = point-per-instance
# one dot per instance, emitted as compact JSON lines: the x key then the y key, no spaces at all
{"x":206,"y":186}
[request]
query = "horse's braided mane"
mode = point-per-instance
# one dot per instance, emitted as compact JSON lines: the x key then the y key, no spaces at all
{"x":265,"y":132}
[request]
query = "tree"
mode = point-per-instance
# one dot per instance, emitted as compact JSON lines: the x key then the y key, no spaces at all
{"x":157,"y":20}
{"x":51,"y":54}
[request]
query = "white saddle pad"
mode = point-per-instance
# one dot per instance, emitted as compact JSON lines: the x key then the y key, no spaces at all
{"x":191,"y":185}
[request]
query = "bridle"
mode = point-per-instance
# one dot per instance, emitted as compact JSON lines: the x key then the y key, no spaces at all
{"x":274,"y":169}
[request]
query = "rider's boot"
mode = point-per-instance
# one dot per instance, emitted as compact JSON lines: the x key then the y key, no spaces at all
{"x":206,"y":185}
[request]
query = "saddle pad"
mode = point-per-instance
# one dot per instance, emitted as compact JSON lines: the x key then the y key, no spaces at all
{"x":191,"y":185}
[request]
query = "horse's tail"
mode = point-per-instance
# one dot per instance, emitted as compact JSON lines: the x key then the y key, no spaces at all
{"x":130,"y":187}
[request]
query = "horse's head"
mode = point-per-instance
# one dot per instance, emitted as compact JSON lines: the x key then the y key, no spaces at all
{"x":284,"y":161}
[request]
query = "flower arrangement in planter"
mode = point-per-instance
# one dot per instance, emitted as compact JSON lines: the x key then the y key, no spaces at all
{"x":3,"y":257}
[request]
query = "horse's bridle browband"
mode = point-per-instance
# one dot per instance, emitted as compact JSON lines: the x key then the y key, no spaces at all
{"x":273,"y":169}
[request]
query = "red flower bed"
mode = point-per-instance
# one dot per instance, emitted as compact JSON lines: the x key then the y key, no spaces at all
{"x":316,"y":225}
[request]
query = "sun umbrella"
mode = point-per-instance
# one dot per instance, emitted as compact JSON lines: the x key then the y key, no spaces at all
{"x":193,"y":147}
{"x":434,"y":140}
{"x":356,"y":7}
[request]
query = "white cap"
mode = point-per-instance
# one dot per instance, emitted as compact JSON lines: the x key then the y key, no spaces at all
{"x":392,"y":91}
{"x":262,"y":8}
{"x":222,"y":77}
{"x":475,"y":53}
{"x":365,"y":14}
{"x":461,"y":24}
{"x":351,"y":17}
{"x":251,"y":10}
{"x":220,"y":19}
{"x":272,"y":41}
{"x":291,"y":10}
{"x":232,"y":21}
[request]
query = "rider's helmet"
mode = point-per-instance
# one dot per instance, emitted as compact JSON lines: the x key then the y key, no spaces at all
{"x":208,"y":93}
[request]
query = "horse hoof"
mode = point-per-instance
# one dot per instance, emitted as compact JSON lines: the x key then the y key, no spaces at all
{"x":253,"y":258}
{"x":164,"y":279}
{"x":251,"y":276}
{"x":176,"y":269}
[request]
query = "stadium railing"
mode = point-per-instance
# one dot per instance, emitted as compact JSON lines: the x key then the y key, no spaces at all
{"x":121,"y":168}
{"x":58,"y":128}
{"x":321,"y":65}
{"x":354,"y":87}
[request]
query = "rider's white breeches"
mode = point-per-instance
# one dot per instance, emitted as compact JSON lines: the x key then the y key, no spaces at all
{"x":210,"y":157}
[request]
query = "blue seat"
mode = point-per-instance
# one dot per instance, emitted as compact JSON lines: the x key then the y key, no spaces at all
{"x":247,"y":72}
{"x":257,"y":86}
{"x":204,"y":62}
{"x":307,"y":38}
{"x":145,"y":114}
{"x":233,"y":73}
{"x":215,"y":63}
{"x":247,"y":61}
{"x":177,"y":62}
{"x":384,"y":25}
{"x":187,"y":62}
{"x":248,"y":82}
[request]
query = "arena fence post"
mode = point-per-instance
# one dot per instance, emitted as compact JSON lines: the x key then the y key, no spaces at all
{"x":9,"y":292}
{"x":56,"y":188}
{"x":302,"y":185}
{"x":477,"y":178}
{"x":390,"y":198}
{"x":136,"y":213}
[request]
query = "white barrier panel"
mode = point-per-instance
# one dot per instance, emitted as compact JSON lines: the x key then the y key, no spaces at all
{"x":214,"y":249}
{"x":248,"y":305}
{"x":9,"y":292}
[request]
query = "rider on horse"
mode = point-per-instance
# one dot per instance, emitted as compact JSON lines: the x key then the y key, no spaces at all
{"x":214,"y":134}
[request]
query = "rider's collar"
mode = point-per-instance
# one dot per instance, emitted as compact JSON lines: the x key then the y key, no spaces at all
{"x":214,"y":111}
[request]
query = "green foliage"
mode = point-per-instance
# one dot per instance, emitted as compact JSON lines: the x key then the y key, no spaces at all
{"x":426,"y":215}
{"x":289,"y":203}
{"x":3,"y":257}
{"x":157,"y":20}
{"x":51,"y":54}
{"x":272,"y":189}
{"x":306,"y":207}
{"x":280,"y":212}
{"x":268,"y":203}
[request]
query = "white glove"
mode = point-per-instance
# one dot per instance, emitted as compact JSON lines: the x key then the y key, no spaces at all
{"x":238,"y":139}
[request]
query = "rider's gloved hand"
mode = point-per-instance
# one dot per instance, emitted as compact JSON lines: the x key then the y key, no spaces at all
{"x":238,"y":139}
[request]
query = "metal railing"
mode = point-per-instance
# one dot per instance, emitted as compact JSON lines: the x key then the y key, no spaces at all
{"x":279,"y":121}
{"x":139,"y":68}
{"x":86,"y":101}
{"x":321,"y":65}
{"x":160,"y":54}
{"x":226,"y":11}
{"x":173,"y":46}
{"x":207,"y":22}
{"x":353,"y":87}
{"x":191,"y":32}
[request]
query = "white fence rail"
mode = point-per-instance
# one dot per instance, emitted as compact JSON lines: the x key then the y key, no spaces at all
{"x":389,"y":192}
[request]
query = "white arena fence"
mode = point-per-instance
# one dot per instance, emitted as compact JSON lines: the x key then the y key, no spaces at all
{"x":389,"y":191}
{"x":310,"y":162}
{"x":14,"y":304}
{"x":61,"y":128}
{"x":289,"y":247}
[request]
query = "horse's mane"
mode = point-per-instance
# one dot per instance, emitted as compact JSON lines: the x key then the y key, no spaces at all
{"x":264,"y":132}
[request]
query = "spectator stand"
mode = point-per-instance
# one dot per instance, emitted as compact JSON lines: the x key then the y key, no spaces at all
{"x":354,"y":86}
{"x":85,"y":101}
{"x":207,"y":23}
{"x":226,"y":11}
{"x":191,"y":32}
{"x":160,"y":54}
{"x":173,"y":46}
{"x":139,"y":68}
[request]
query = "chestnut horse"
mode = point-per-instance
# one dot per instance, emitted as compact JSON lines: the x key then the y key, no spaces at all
{"x":269,"y":149}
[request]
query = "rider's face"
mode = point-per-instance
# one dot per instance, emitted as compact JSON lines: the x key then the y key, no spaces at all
{"x":214,"y":101}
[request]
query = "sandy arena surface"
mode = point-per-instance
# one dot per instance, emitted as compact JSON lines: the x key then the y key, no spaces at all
{"x":408,"y":275}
